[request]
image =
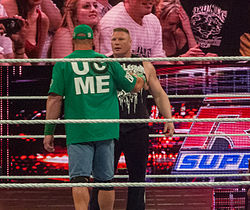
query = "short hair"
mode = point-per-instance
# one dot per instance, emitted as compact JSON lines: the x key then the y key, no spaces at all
{"x":121,"y":30}
{"x":83,"y":41}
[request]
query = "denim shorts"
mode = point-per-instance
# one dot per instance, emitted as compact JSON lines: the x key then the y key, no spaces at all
{"x":92,"y":158}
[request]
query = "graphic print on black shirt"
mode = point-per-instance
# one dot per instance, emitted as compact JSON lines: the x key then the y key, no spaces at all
{"x":218,"y":24}
{"x":133,"y":105}
{"x":129,"y":101}
{"x":207,"y":22}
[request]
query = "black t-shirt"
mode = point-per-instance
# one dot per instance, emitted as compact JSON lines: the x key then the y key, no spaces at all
{"x":218,"y":24}
{"x":132,"y":105}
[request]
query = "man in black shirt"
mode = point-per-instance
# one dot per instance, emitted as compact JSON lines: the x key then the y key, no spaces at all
{"x":133,"y":141}
{"x":218,"y":24}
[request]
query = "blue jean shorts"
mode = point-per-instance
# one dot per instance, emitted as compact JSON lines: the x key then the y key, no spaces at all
{"x":92,"y":158}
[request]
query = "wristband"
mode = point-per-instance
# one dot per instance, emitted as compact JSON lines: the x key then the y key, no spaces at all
{"x":143,"y":76}
{"x":49,"y":129}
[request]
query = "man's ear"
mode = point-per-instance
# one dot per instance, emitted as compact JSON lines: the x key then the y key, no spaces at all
{"x":130,"y":40}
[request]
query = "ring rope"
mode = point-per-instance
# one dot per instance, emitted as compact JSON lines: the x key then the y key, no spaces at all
{"x":221,"y":58}
{"x":128,"y":184}
{"x":142,"y":184}
{"x":161,"y":176}
{"x":150,"y":135}
{"x":123,"y":121}
{"x":150,"y":96}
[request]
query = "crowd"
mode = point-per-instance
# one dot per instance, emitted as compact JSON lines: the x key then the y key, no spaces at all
{"x":158,"y":28}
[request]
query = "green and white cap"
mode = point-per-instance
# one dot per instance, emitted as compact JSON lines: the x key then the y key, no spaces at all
{"x":83,"y":32}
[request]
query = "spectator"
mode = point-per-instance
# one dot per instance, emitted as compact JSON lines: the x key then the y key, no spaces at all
{"x":218,"y":24}
{"x":6,"y":44}
{"x":144,"y":27}
{"x":177,"y":36}
{"x":76,"y":12}
{"x":38,"y":24}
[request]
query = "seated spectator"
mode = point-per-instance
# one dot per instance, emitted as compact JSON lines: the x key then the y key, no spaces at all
{"x":76,"y":12}
{"x":5,"y":42}
{"x":144,"y":27}
{"x":9,"y":49}
{"x":218,"y":25}
{"x":177,"y":36}
{"x":38,"y":24}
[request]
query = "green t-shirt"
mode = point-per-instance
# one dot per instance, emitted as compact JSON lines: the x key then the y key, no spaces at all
{"x":90,"y":91}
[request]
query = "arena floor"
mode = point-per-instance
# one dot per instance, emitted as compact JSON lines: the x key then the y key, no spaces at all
{"x":60,"y":199}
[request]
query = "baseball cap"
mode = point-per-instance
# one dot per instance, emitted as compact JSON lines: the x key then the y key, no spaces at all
{"x":83,"y":32}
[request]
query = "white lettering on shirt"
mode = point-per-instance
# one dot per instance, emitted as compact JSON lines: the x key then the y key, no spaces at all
{"x":100,"y":83}
{"x":76,"y":69}
{"x":88,"y":86}
{"x":91,"y":84}
{"x":80,"y":85}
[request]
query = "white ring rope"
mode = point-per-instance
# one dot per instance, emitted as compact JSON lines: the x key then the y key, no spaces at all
{"x":161,"y":176}
{"x":12,"y":122}
{"x":139,"y":184}
{"x":221,"y":58}
{"x":150,"y":135}
{"x":205,"y":96}
{"x":129,"y":184}
{"x":150,"y":96}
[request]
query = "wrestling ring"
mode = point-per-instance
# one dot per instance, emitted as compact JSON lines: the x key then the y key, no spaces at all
{"x":163,"y":191}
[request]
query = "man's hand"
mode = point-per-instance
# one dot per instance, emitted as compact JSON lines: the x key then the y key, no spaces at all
{"x":168,"y":129}
{"x":194,"y":52}
{"x":48,"y":143}
{"x":211,"y":55}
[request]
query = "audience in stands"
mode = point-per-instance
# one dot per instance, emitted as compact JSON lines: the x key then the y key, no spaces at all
{"x":177,"y":36}
{"x":144,"y":27}
{"x":218,"y":24}
{"x":213,"y":27}
{"x":12,"y":46}
{"x":37,"y":27}
{"x":5,"y":42}
{"x":76,"y":12}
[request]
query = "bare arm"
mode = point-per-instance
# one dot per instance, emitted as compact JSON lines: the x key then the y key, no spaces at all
{"x":10,"y":6}
{"x":187,"y":28}
{"x":160,"y":96}
{"x":53,"y":111}
{"x":62,"y":43}
{"x":53,"y":106}
{"x":53,"y":13}
{"x":44,"y":32}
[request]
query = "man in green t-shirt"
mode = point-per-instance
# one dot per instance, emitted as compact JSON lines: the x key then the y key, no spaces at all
{"x":90,"y":91}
